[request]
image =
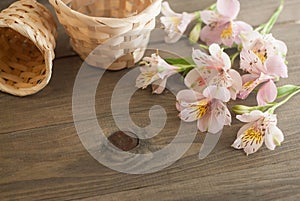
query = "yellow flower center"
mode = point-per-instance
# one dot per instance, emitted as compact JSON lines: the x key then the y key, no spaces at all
{"x":202,"y":108}
{"x":262,"y":55}
{"x":227,"y":33}
{"x":247,"y":85}
{"x":253,"y":135}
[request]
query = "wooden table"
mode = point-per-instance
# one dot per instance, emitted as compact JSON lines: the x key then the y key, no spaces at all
{"x":42,"y":157}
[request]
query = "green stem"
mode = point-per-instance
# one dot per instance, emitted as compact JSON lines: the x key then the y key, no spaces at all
{"x":272,"y":109}
{"x":233,"y":57}
{"x":212,"y":7}
{"x":266,"y":28}
{"x":204,"y":46}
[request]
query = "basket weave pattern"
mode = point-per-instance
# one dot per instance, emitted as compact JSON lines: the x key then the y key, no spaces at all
{"x":121,"y":27}
{"x":27,"y":42}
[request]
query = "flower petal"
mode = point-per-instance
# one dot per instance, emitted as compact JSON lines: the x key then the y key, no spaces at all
{"x":252,"y":146}
{"x":195,"y":81}
{"x":236,"y":84}
{"x":275,"y":66}
{"x":274,"y":137}
{"x":194,"y":111}
{"x":186,"y":19}
{"x":203,"y":123}
{"x":251,"y":63}
{"x":167,"y":11}
{"x":188,"y":96}
{"x":251,"y":117}
{"x":209,"y":17}
{"x":238,"y":27}
{"x":159,"y":86}
{"x":221,"y":58}
{"x":267,"y":93}
{"x":211,"y":35}
{"x":217,"y":92}
{"x":228,"y":8}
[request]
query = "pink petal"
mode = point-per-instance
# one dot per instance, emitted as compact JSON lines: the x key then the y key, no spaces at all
{"x":195,"y":81}
{"x":204,"y":122}
{"x":238,"y":27}
{"x":214,"y":125}
{"x":159,"y":86}
{"x":209,"y":17}
{"x":267,"y":93}
{"x":188,"y":96}
{"x":237,"y":83}
{"x":189,"y":114}
{"x":228,"y":41}
{"x":221,"y":58}
{"x":248,"y":87}
{"x":275,"y":66}
{"x":249,"y":38}
{"x":220,"y":116}
{"x":251,"y":63}
{"x":211,"y":35}
{"x":228,"y":8}
{"x":248,"y":78}
{"x":216,"y":92}
{"x":202,"y":59}
{"x":251,"y":117}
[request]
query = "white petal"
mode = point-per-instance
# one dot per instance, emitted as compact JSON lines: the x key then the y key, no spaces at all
{"x":201,"y":59}
{"x":274,"y":137}
{"x":237,"y":144}
{"x":251,"y":117}
{"x":195,"y":81}
{"x":243,"y":129}
{"x":167,"y":11}
{"x":216,"y":92}
{"x":188,"y":96}
{"x":215,"y":50}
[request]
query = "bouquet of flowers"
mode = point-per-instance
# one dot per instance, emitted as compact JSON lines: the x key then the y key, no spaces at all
{"x":211,"y":79}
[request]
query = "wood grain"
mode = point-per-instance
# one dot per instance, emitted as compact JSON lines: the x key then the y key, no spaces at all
{"x":42,"y":158}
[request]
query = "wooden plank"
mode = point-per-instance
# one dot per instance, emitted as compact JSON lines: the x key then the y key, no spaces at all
{"x":42,"y":158}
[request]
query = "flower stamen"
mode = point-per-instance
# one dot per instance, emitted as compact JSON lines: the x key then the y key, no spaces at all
{"x":227,"y":33}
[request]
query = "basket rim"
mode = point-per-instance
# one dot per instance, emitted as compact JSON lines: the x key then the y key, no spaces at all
{"x":126,"y":19}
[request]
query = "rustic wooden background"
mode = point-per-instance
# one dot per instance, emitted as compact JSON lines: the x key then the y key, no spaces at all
{"x":42,"y":158}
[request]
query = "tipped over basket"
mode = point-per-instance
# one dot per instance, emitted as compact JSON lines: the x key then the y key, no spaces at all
{"x":120,"y":29}
{"x":27,"y":42}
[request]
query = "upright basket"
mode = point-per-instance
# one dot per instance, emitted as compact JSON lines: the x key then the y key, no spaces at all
{"x":27,"y":41}
{"x":119,"y":28}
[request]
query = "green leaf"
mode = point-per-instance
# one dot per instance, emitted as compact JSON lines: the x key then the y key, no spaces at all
{"x":286,"y":90}
{"x":179,"y":61}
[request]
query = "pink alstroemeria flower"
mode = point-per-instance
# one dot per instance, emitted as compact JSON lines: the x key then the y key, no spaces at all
{"x":213,"y":75}
{"x":220,"y":25}
{"x":155,"y":72}
{"x":263,"y":57}
{"x":212,"y":114}
{"x":175,"y":24}
{"x":260,"y":128}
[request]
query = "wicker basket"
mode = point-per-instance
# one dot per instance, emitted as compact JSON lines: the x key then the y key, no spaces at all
{"x":121,"y":27}
{"x":27,"y":41}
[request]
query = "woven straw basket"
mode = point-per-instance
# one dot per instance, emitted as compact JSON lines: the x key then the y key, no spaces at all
{"x":120,"y":28}
{"x":27,"y":41}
